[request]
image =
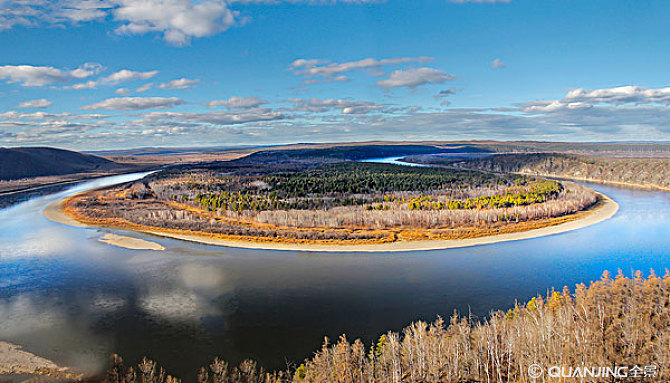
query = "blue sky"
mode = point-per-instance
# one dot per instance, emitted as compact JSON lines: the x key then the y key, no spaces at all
{"x":97,"y":74}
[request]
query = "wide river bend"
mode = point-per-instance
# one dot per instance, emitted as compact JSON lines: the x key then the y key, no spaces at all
{"x":68,"y":297}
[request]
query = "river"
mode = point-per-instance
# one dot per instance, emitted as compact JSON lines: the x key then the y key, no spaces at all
{"x":70,"y":298}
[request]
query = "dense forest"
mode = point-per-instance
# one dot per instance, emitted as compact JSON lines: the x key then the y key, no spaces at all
{"x":643,"y":172}
{"x":613,"y":326}
{"x":346,"y":201}
{"x":346,"y":184}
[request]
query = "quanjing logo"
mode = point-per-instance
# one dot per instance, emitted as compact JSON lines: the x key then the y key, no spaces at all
{"x":536,"y":371}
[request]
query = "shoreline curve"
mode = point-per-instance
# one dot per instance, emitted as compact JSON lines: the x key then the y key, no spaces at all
{"x":601,"y":212}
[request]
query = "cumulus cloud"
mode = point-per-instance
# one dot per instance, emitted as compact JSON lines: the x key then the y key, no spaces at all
{"x":549,"y":106}
{"x":182,"y":83}
{"x":40,"y":103}
{"x":12,"y":115}
{"x":236,"y":102}
{"x":29,"y":75}
{"x":178,"y":21}
{"x":265,"y":125}
{"x":332,"y":70}
{"x":316,"y":105}
{"x":580,"y":98}
{"x":498,"y":64}
{"x":83,"y":85}
{"x":136,"y":103}
{"x":128,"y":75}
{"x":115,"y":78}
{"x":218,"y":118}
{"x":52,"y":12}
{"x":621,"y":95}
{"x":413,"y":77}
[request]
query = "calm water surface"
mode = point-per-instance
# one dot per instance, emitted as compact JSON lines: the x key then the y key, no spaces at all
{"x":70,"y":298}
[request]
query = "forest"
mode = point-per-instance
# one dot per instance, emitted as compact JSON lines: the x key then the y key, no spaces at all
{"x":616,"y":323}
{"x":346,"y":184}
{"x":348,"y":202}
{"x":639,"y":172}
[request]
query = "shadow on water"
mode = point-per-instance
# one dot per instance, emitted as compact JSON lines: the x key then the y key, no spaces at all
{"x":72,"y":299}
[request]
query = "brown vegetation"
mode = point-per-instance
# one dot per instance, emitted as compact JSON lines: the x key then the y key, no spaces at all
{"x":620,"y":322}
{"x":637,"y":172}
{"x":152,"y":207}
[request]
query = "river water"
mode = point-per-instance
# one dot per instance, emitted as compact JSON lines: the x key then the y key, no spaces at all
{"x":68,"y":297}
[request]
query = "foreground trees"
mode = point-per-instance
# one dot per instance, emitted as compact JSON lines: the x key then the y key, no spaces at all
{"x":614,"y":323}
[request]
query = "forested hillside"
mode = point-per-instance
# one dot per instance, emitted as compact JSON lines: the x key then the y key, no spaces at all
{"x":621,"y":324}
{"x":16,"y":163}
{"x":645,"y":172}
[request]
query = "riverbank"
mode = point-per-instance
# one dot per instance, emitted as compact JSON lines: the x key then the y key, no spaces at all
{"x":14,"y":361}
{"x":598,"y":181}
{"x":603,"y":210}
{"x":129,"y":242}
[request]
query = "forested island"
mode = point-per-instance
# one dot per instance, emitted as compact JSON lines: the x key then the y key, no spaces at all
{"x":323,"y":197}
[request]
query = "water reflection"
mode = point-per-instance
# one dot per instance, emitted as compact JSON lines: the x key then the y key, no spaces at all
{"x":72,"y":299}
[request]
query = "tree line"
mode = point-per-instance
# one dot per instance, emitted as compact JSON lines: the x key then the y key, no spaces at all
{"x":645,"y":172}
{"x":618,"y":323}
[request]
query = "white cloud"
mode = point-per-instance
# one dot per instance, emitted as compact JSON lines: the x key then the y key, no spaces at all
{"x":316,"y":105}
{"x":14,"y":116}
{"x":237,"y":102}
{"x":498,"y":64}
{"x":621,"y":95}
{"x":41,"y":103}
{"x":413,"y":77}
{"x":115,"y":78}
{"x":84,"y":10}
{"x":51,"y":12}
{"x":136,"y":103}
{"x":581,"y":98}
{"x":83,"y":85}
{"x":323,"y":68}
{"x":177,"y":20}
{"x":145,"y":87}
{"x":122,"y":91}
{"x":87,"y":70}
{"x":552,"y":106}
{"x":218,"y":118}
{"x":182,"y":83}
{"x":29,"y":75}
{"x":128,"y":75}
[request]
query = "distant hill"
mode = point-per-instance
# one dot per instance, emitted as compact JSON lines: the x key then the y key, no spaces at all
{"x":16,"y":163}
{"x":339,"y":153}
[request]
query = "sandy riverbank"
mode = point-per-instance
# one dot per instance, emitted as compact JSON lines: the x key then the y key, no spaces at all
{"x":54,"y":213}
{"x":129,"y":242}
{"x":15,"y":361}
{"x":604,"y":210}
